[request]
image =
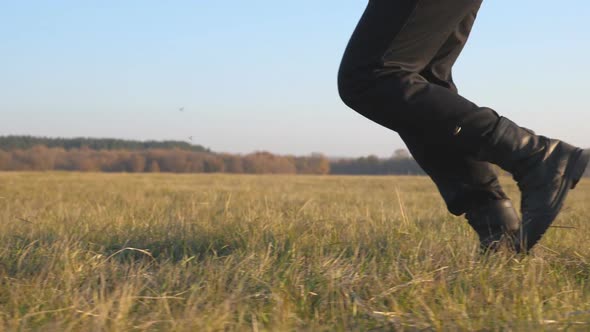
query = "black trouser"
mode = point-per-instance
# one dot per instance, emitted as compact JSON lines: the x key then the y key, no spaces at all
{"x":396,"y":71}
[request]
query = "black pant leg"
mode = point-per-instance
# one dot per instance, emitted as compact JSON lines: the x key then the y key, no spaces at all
{"x":462,"y":181}
{"x":435,"y":34}
{"x":440,"y":69}
{"x":380,"y":75}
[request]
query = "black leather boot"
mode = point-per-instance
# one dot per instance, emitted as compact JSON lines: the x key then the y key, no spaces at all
{"x":496,"y":223}
{"x":545,"y":170}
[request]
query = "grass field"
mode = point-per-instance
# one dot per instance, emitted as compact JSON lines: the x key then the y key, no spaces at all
{"x":115,"y":252}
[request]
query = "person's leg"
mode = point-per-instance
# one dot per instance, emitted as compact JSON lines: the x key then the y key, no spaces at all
{"x":381,"y":78}
{"x":468,"y":186}
{"x":463,"y":181}
{"x":440,"y":69}
{"x":380,"y":75}
{"x":472,"y":188}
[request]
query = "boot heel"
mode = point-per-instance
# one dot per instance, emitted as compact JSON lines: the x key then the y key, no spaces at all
{"x":579,"y":167}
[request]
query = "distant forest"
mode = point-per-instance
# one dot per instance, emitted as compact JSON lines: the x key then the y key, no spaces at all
{"x":26,"y":153}
{"x":11,"y":143}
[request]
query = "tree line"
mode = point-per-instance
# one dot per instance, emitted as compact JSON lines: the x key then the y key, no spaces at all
{"x":373,"y":165}
{"x":9,"y":143}
{"x":17,"y":154}
{"x":42,"y":158}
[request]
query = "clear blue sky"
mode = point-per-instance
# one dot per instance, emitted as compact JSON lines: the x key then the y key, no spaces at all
{"x":261,"y":75}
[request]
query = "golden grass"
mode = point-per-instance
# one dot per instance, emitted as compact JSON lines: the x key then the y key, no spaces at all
{"x":115,"y":252}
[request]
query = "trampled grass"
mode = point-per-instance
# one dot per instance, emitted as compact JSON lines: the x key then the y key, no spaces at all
{"x":116,"y":252}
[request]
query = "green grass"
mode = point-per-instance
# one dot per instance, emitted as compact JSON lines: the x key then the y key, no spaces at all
{"x":114,"y":252}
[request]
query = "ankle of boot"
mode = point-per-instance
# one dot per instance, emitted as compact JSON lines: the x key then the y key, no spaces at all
{"x":515,"y":149}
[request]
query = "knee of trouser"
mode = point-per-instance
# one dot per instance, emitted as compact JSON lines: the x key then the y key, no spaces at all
{"x":346,"y":87}
{"x":365,"y":87}
{"x":346,"y":96}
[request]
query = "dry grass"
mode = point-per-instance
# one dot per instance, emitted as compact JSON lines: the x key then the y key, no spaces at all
{"x":104,"y":252}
